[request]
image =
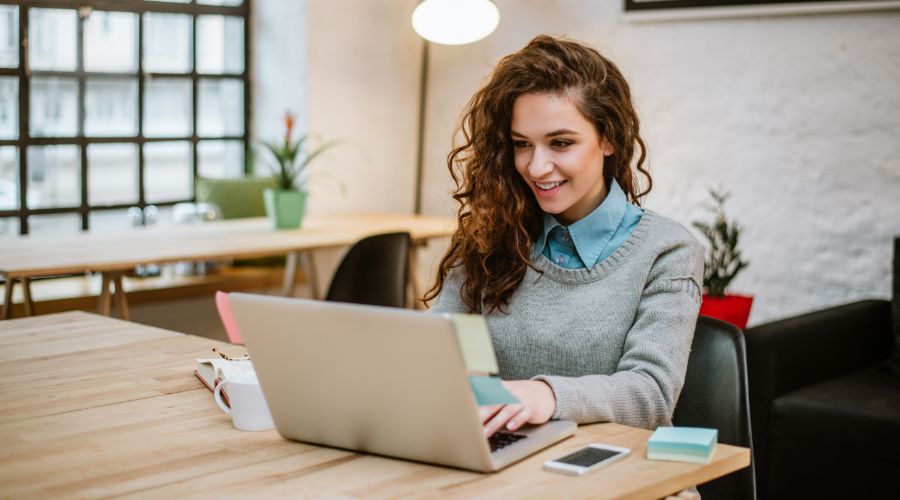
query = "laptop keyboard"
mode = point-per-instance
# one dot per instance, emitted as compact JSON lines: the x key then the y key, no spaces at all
{"x":502,"y":439}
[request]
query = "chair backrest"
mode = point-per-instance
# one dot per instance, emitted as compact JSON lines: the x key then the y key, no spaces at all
{"x":236,"y":198}
{"x":715,"y":395}
{"x":375,"y":272}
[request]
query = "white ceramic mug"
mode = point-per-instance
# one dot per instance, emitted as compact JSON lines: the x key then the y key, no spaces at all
{"x":249,"y":411}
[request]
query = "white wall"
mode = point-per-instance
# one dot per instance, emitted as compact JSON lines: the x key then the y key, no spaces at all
{"x":799,"y":117}
{"x":363,"y":87}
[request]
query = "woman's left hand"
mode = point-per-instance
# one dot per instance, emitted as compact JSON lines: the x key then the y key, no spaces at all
{"x":536,"y":405}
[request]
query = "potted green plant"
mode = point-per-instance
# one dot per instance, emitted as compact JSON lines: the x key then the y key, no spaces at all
{"x":286,"y":203}
{"x":723,"y":262}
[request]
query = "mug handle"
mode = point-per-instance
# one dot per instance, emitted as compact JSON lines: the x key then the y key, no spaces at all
{"x":217,"y":394}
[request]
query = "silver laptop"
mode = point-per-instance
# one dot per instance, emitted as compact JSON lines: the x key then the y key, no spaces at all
{"x":374,"y":379}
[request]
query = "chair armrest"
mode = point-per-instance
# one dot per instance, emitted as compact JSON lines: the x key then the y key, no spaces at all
{"x":803,"y":350}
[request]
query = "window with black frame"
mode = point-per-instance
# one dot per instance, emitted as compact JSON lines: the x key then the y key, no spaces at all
{"x":116,"y":104}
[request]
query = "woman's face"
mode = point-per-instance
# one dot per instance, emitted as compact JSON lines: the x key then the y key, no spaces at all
{"x":559,"y":154}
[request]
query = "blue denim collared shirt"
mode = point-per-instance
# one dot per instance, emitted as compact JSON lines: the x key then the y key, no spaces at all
{"x":593,"y":238}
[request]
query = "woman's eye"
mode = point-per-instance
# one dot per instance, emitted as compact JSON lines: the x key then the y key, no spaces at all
{"x":561,"y":144}
{"x":520,"y":144}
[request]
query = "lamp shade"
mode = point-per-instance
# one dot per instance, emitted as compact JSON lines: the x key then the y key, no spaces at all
{"x":455,"y":22}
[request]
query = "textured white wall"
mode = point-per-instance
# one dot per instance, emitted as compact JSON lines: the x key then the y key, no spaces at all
{"x":799,"y":117}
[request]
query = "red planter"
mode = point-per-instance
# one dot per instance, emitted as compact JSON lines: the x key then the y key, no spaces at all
{"x":734,"y":309}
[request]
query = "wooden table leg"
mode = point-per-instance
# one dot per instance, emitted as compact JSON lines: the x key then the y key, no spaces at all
{"x":7,"y":297}
{"x":311,"y":275}
{"x":121,"y":300}
{"x":104,"y":299}
{"x":26,"y":292}
{"x":290,"y":274}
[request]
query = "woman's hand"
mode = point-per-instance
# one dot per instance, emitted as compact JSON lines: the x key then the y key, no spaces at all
{"x":536,"y":405}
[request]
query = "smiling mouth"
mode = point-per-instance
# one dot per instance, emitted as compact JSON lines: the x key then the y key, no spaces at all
{"x":547,"y":186}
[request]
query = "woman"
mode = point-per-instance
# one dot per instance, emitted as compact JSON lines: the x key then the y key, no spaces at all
{"x":591,"y":301}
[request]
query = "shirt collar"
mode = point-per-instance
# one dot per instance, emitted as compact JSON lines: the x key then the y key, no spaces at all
{"x":592,"y":233}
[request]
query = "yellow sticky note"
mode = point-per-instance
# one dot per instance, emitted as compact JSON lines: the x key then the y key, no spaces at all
{"x":475,"y":343}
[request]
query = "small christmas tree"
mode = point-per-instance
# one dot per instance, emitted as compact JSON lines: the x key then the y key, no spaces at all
{"x":723,"y":261}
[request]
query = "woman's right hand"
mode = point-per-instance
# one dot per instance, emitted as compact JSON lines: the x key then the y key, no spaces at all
{"x":536,"y":406}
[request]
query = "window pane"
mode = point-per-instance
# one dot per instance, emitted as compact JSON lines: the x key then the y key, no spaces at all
{"x":220,"y":159}
{"x":111,"y":107}
{"x":168,"y":174}
{"x":54,"y":107}
{"x":54,"y":176}
{"x":9,"y":107}
{"x":167,"y":43}
{"x":9,"y":227}
{"x":9,"y":178}
{"x":110,"y":42}
{"x":220,"y":44}
{"x":109,"y":220}
{"x":9,"y":36}
{"x":167,"y":108}
{"x":112,"y":174}
{"x":221,"y":108}
{"x":51,"y":39}
{"x":54,"y":224}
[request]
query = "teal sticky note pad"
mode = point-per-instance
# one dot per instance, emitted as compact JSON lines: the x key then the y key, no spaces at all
{"x":489,"y":391}
{"x":682,"y":444}
{"x":683,"y":440}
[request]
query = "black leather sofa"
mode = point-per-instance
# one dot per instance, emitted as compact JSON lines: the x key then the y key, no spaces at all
{"x":825,"y":401}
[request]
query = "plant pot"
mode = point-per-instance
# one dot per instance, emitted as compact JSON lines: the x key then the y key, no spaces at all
{"x":285,"y":208}
{"x":734,"y":309}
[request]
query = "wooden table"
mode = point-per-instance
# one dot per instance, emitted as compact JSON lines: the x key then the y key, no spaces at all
{"x":92,"y":406}
{"x":114,"y":253}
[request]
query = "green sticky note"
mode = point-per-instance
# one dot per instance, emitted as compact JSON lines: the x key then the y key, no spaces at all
{"x":489,"y":391}
{"x":475,"y":343}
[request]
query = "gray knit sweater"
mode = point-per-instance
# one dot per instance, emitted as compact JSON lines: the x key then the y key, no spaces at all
{"x":611,"y":341}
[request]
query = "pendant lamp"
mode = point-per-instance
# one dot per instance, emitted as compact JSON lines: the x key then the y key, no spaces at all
{"x":455,"y":22}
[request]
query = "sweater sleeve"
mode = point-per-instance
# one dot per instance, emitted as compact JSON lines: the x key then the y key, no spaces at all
{"x":449,"y":299}
{"x":650,"y":374}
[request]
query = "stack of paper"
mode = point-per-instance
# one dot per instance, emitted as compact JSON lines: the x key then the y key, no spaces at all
{"x":682,"y":444}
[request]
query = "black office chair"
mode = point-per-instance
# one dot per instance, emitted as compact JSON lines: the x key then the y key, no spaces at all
{"x":715,"y":396}
{"x":375,"y":271}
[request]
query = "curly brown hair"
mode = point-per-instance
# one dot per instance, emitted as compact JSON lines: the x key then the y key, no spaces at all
{"x":498,"y":217}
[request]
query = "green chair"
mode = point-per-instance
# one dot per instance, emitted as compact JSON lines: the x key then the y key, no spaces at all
{"x":236,"y":198}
